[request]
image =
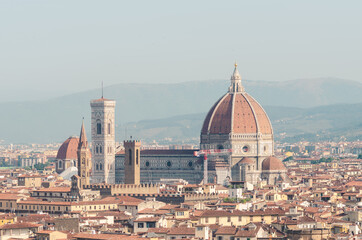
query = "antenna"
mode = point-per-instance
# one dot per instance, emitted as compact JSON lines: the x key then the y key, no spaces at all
{"x":102,"y":89}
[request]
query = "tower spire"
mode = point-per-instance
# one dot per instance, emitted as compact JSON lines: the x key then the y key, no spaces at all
{"x":102,"y":89}
{"x":83,"y":153}
{"x":235,"y":85}
{"x":83,"y":143}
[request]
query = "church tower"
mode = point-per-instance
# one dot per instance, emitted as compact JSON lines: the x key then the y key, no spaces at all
{"x":132,"y":162}
{"x":84,"y":158}
{"x":103,"y":140}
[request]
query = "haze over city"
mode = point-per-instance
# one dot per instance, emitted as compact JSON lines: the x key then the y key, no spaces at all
{"x":53,"y":48}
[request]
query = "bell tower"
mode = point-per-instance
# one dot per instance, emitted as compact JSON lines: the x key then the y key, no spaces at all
{"x":84,"y":158}
{"x":103,"y":140}
{"x":132,"y":162}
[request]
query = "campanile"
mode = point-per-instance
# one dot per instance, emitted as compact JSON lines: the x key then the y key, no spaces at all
{"x":103,"y":140}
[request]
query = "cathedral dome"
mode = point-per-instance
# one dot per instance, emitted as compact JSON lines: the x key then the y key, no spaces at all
{"x":272,"y":163}
{"x":236,"y":112}
{"x":68,"y":150}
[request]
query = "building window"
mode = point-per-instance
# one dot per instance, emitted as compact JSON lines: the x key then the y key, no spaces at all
{"x":109,"y":128}
{"x":151,"y":225}
{"x":190,"y":164}
{"x":169,"y":164}
{"x":97,"y":167}
{"x":100,"y":166}
{"x":130,"y":156}
{"x":97,"y":149}
{"x":100,"y":149}
{"x":140,"y":225}
{"x":245,"y":149}
{"x":137,"y":157}
{"x":147,"y":164}
{"x":180,"y":213}
{"x":99,"y":127}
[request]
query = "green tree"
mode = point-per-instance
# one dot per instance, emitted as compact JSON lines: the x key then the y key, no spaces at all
{"x":40,"y":166}
{"x":288,"y":159}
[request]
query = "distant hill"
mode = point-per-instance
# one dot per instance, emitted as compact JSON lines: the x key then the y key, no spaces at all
{"x":331,"y":122}
{"x":56,"y":119}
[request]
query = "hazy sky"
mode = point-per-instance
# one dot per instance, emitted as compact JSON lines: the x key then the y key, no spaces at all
{"x":57,"y":47}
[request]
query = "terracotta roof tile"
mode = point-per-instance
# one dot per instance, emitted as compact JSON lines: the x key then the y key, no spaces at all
{"x":236,"y":113}
{"x":68,"y":150}
{"x":181,"y":231}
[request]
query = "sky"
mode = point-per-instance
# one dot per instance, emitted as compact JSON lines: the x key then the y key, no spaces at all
{"x":53,"y":48}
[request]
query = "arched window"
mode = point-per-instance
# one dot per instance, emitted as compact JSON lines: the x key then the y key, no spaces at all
{"x":97,"y":149}
{"x":137,"y":156}
{"x":99,"y":127}
{"x":97,"y":167}
{"x":130,"y":156}
{"x":60,"y":164}
{"x":109,"y":128}
{"x":100,"y":166}
{"x":100,"y":149}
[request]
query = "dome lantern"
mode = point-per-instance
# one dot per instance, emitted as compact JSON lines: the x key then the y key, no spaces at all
{"x":235,"y":85}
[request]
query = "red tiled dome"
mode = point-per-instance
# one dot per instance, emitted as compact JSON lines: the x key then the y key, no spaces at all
{"x":68,"y":150}
{"x":236,"y":112}
{"x":272,"y":163}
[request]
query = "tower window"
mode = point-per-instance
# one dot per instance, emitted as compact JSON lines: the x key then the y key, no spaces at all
{"x":97,"y":167}
{"x":100,"y":149}
{"x":137,"y":156}
{"x":109,"y":128}
{"x":100,"y":166}
{"x":96,"y":149}
{"x":99,"y":127}
{"x":130,"y":156}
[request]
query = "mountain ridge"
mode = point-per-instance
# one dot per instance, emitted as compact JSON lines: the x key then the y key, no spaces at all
{"x":57,"y":118}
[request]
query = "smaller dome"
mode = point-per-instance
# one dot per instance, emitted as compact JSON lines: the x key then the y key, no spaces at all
{"x":68,"y":150}
{"x":246,"y":160}
{"x":272,"y":163}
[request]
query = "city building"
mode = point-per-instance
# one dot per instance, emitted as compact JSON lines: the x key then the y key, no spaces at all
{"x":103,"y":140}
{"x":237,"y":138}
